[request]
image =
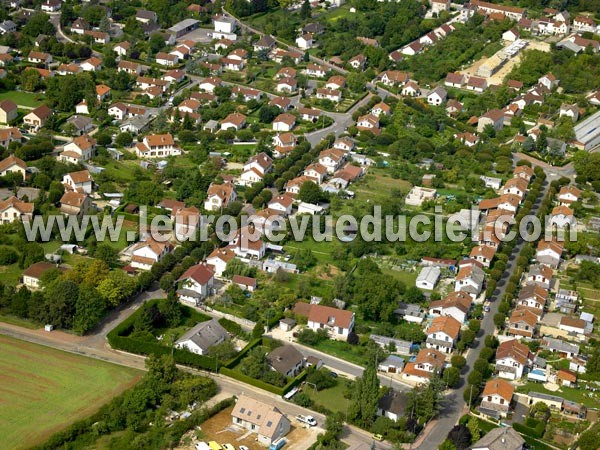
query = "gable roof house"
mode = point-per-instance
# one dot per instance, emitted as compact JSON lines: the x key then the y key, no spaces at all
{"x":484,"y":254}
{"x":437,"y":96}
{"x":454,"y":79}
{"x":32,"y":276}
{"x":8,"y":111}
{"x":534,"y":298}
{"x":563,"y":217}
{"x":157,"y":146}
{"x":511,"y":359}
{"x":219,"y":258}
{"x":541,"y":275}
{"x":75,"y":204}
{"x":268,"y":422}
{"x":496,"y":398}
{"x":37,"y":118}
{"x":202,"y":337}
{"x":470,"y":279}
{"x":494,"y":117}
{"x":286,"y":360}
{"x":80,"y":181}
{"x":549,"y":252}
{"x":428,"y":277}
{"x":12,"y":164}
{"x":503,"y":438}
{"x":12,"y":209}
{"x":146,"y":253}
{"x":443,"y":333}
{"x":455,"y":304}
{"x":219,"y":196}
{"x":568,"y":195}
{"x":522,"y":322}
{"x":195,"y":284}
{"x":427,"y":363}
{"x":332,"y":159}
{"x":337,"y":322}
{"x":80,"y":150}
{"x":255,"y":169}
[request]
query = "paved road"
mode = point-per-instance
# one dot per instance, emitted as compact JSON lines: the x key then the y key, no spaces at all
{"x":455,"y":406}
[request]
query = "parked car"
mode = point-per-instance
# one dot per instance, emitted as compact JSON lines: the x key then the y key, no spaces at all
{"x":378,"y":437}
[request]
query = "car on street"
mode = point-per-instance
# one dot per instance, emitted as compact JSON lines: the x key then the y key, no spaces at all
{"x":378,"y":437}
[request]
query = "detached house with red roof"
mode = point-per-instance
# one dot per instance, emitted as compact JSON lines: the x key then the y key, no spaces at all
{"x":219,"y":258}
{"x":12,"y":164}
{"x":157,"y":146}
{"x":456,"y":305}
{"x":195,"y":284}
{"x":339,"y":323}
{"x":522,"y":322}
{"x":37,"y":118}
{"x":81,"y":149}
{"x":512,"y":358}
{"x":148,"y":252}
{"x":568,"y":195}
{"x":13,"y":209}
{"x":496,"y":398}
{"x":443,"y":333}
{"x":219,"y":196}
{"x":80,"y":181}
{"x":470,"y":279}
{"x":427,"y":363}
{"x":255,"y":169}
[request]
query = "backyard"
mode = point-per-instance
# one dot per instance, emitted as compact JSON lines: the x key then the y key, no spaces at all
{"x":44,"y":390}
{"x":27,"y":99}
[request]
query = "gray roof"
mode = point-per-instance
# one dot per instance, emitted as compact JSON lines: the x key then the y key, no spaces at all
{"x":401,"y":346}
{"x":80,"y":122}
{"x":429,"y":274}
{"x":183,"y":25}
{"x":285,"y":358}
{"x":439,"y":91}
{"x":504,"y":438}
{"x":205,"y":334}
{"x":554,"y":398}
{"x":393,"y":402}
{"x":393,"y":360}
{"x":549,"y":343}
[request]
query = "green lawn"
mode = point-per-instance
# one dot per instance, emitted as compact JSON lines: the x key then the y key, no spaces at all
{"x":23,"y":98}
{"x":44,"y":390}
{"x":572,"y":394}
{"x":378,"y":185}
{"x":332,"y":398}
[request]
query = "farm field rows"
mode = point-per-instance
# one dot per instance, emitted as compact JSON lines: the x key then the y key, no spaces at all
{"x":43,"y":390}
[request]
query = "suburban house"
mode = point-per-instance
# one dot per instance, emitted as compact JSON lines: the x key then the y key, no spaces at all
{"x":549,"y":252}
{"x":234,"y":121}
{"x":157,"y":146}
{"x":443,"y":333}
{"x":503,"y":438}
{"x":512,"y":358}
{"x":393,"y":77}
{"x":248,"y":244}
{"x":391,"y":364}
{"x":456,"y":305}
{"x":566,"y":378}
{"x":13,"y":209}
{"x":454,"y":79}
{"x":187,"y":222}
{"x":563,"y":217}
{"x":219,"y":258}
{"x":75,"y":204}
{"x":329,"y":94}
{"x":80,"y":150}
{"x":244,"y":283}
{"x":534,"y":297}
{"x":281,"y":204}
{"x":268,"y":422}
{"x":522,"y":322}
{"x":428,"y":277}
{"x":368,"y":122}
{"x":80,"y":181}
{"x":577,"y":328}
{"x":525,"y":172}
{"x":32,"y":276}
{"x":427,"y":363}
{"x":195,"y":284}
{"x":284,"y":122}
{"x":493,"y":118}
{"x":496,"y":398}
{"x":337,"y":322}
{"x":255,"y":169}
{"x":317,"y":172}
{"x":516,"y":186}
{"x":148,"y":252}
{"x":567,"y":301}
{"x":219,"y":196}
{"x":12,"y":164}
{"x":202,"y":337}
{"x":484,"y":254}
{"x":392,"y":405}
{"x":286,"y":360}
{"x":563,"y":348}
{"x":568,"y":195}
{"x":129,"y":67}
{"x":37,"y":118}
{"x":8,"y":111}
{"x":332,"y":159}
{"x":541,"y":275}
{"x":470,"y":279}
{"x":437,"y":96}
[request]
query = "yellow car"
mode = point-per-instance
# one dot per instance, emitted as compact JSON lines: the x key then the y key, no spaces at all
{"x":215,"y":445}
{"x":378,"y":437}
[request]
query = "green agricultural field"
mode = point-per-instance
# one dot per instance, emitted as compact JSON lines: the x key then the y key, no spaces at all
{"x":43,"y":390}
{"x":27,"y":99}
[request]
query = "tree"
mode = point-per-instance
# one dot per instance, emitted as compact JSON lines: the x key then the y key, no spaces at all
{"x":310,"y":192}
{"x":89,"y":309}
{"x":460,"y":436}
{"x":473,"y":426}
{"x":447,"y":445}
{"x":474,"y":325}
{"x":123,"y":139}
{"x":305,"y":10}
{"x":363,"y":408}
{"x":452,"y":377}
{"x":590,"y":438}
{"x":458,"y":361}
{"x":258,"y":329}
{"x":106,"y":253}
{"x":116,"y":287}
